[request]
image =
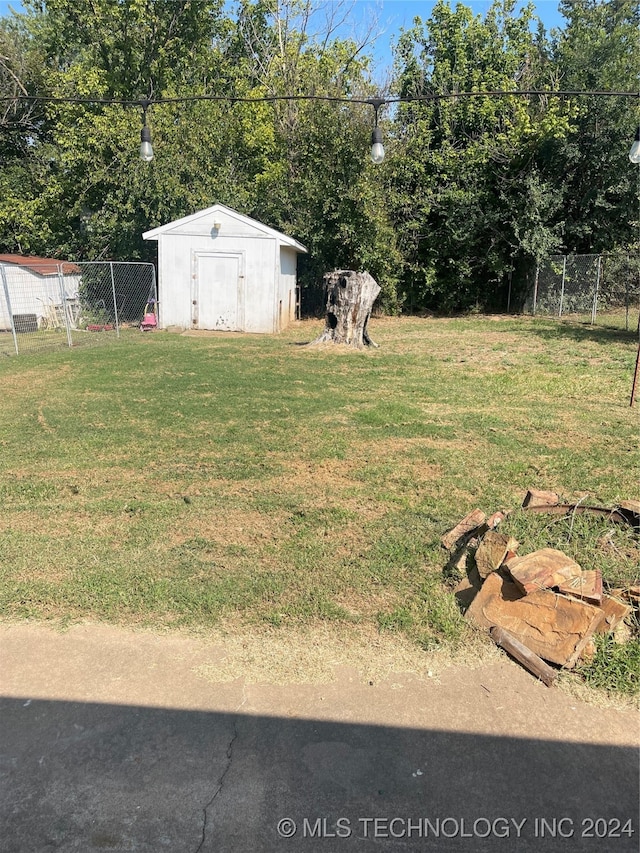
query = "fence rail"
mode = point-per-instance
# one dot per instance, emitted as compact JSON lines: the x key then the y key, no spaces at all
{"x":47,"y":305}
{"x":596,"y":288}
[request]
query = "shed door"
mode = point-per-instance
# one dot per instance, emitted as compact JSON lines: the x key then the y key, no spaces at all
{"x":217,"y":292}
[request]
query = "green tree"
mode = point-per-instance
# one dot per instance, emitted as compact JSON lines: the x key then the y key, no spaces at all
{"x":466,"y":196}
{"x":598,"y":49}
{"x":320,"y":185}
{"x":299,"y":165}
{"x":22,"y":160}
{"x":89,"y":194}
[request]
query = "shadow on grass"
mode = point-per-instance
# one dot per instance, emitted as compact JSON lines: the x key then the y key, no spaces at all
{"x":579,"y":332}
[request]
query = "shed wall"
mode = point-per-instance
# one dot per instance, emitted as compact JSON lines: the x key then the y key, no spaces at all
{"x":287,"y":281}
{"x":177,"y":262}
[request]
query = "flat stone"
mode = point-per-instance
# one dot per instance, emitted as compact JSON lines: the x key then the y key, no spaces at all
{"x":553,"y":626}
{"x":615,"y":612}
{"x":543,"y":569}
{"x":537,"y":497}
{"x":588,"y":586}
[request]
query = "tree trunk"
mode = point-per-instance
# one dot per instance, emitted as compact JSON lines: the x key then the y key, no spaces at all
{"x":350,"y":297}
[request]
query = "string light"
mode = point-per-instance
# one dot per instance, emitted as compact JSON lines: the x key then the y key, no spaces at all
{"x":377,"y":147}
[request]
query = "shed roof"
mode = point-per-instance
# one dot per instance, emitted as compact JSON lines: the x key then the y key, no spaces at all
{"x":194,"y":218}
{"x":40,"y":266}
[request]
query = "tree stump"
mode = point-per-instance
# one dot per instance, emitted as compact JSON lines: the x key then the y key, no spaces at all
{"x":350,"y":297}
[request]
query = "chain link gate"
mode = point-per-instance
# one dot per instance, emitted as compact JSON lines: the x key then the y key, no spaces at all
{"x":45,"y":304}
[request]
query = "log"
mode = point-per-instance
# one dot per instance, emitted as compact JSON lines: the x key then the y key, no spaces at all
{"x":350,"y":298}
{"x":537,"y":497}
{"x":472,"y":524}
{"x":493,"y":550}
{"x":523,"y":655}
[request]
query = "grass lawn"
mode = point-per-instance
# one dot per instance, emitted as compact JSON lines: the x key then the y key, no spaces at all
{"x":180,"y":481}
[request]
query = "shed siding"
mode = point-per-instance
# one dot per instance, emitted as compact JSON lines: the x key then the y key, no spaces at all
{"x":229,"y":225}
{"x":177,"y":259}
{"x":287,"y":284}
{"x":260,"y":285}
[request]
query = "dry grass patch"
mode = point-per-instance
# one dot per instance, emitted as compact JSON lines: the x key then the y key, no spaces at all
{"x":234,"y":527}
{"x":68,"y":525}
{"x":572,"y":684}
{"x":315,"y":477}
{"x":33,"y":380}
{"x":313,"y":654}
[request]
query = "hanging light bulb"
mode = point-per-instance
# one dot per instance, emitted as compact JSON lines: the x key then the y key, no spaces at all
{"x":146,"y":148}
{"x":377,"y":148}
{"x":634,"y":154}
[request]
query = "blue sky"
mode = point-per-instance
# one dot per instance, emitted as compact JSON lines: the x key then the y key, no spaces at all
{"x":395,"y":15}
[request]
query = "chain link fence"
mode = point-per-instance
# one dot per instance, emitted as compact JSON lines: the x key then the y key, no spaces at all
{"x":589,"y":288}
{"x":48,"y":304}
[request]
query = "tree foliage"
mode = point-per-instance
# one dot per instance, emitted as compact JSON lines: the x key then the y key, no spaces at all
{"x":473,"y":187}
{"x":599,"y":49}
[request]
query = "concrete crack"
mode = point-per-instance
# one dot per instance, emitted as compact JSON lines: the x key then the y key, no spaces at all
{"x":220,"y":785}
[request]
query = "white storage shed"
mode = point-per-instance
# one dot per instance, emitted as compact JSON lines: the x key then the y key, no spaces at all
{"x":221,"y":270}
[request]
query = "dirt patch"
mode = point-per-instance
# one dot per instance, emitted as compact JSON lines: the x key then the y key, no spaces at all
{"x":317,"y":476}
{"x":405,"y":453}
{"x":366,"y":606}
{"x":327,"y":485}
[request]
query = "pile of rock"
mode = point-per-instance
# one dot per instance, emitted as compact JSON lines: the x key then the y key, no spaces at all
{"x":540,"y":606}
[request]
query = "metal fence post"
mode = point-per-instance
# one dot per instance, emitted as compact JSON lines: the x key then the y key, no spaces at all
{"x":564,"y":272}
{"x":115,"y":305}
{"x":627,"y":294}
{"x":594,"y":310}
{"x":626,"y":305}
{"x":535,"y":290}
{"x":63,"y":300}
{"x":5,"y":286}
